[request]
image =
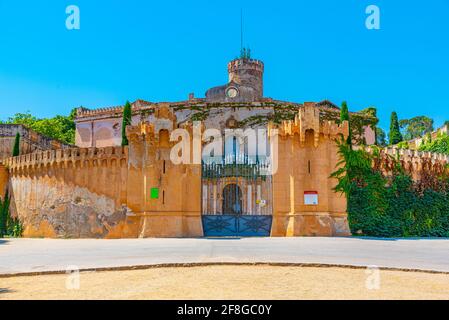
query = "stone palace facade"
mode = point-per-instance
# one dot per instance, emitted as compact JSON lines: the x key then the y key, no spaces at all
{"x":99,"y":189}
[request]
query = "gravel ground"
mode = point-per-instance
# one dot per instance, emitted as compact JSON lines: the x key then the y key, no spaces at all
{"x":231,"y":282}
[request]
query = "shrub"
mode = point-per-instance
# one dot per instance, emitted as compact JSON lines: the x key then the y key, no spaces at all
{"x":8,"y":226}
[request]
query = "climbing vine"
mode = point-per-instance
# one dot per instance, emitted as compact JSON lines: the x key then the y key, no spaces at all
{"x":282,"y":112}
{"x":393,"y":205}
{"x":358,"y":122}
{"x":439,"y":145}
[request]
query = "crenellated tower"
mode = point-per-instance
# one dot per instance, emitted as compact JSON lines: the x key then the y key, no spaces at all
{"x":248,"y":73}
{"x":245,"y":82}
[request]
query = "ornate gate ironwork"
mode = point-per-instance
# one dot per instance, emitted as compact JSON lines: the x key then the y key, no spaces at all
{"x":237,"y":198}
{"x":237,"y":226}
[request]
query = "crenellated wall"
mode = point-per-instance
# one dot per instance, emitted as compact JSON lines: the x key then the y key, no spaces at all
{"x":176,"y":211}
{"x":136,"y":191}
{"x":30,"y":141}
{"x":416,"y":163}
{"x":107,"y":192}
{"x":307,"y":157}
{"x":414,"y":144}
{"x":71,"y":193}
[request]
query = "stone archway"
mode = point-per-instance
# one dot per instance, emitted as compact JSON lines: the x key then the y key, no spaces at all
{"x":232,"y":199}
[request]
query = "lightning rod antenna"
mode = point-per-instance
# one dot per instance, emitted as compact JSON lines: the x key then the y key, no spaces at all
{"x":241,"y":31}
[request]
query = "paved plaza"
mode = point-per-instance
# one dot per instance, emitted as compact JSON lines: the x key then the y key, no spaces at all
{"x":42,"y":255}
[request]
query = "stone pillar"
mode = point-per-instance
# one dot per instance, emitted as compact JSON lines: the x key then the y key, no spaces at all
{"x":307,"y":157}
{"x":164,"y":197}
{"x":135,"y":183}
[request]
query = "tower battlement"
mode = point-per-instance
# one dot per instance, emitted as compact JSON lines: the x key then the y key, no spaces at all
{"x":247,"y":72}
{"x":245,"y":64}
{"x":245,"y":82}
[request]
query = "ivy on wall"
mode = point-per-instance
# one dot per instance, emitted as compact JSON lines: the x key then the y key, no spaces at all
{"x":393,"y":205}
{"x":439,"y":145}
{"x":358,"y":122}
{"x":285,"y":112}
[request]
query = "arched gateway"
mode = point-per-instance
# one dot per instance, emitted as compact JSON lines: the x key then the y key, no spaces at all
{"x":232,"y":199}
{"x":237,"y":199}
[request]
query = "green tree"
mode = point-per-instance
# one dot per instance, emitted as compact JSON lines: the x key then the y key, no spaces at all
{"x":438,"y":145}
{"x":127,"y":114}
{"x":16,"y":148}
{"x":395,"y":133}
{"x":416,"y":127}
{"x":381,"y":137}
{"x":61,"y":128}
{"x":4,"y":214}
{"x":353,"y":164}
{"x":372,"y":112}
{"x":344,"y":116}
{"x":344,"y":112}
{"x":403,"y":145}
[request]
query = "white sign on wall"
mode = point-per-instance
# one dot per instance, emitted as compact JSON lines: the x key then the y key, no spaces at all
{"x":311,"y":198}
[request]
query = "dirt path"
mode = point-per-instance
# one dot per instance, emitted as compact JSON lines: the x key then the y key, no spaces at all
{"x":231,"y":282}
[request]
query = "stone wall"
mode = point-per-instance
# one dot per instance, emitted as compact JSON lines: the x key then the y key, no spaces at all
{"x":30,"y":141}
{"x":116,"y":192}
{"x":107,"y":192}
{"x":103,"y":127}
{"x":414,"y":144}
{"x":414,"y":162}
{"x":176,"y":211}
{"x":72,"y":193}
{"x":4,"y":178}
{"x":307,"y":157}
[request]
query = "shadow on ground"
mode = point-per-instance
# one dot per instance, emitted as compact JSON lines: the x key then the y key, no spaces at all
{"x":5,"y":290}
{"x":399,"y":239}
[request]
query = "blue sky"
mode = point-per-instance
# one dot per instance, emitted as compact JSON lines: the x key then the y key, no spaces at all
{"x":162,"y":50}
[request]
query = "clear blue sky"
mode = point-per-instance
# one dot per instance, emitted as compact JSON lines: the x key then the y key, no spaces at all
{"x":162,"y":50}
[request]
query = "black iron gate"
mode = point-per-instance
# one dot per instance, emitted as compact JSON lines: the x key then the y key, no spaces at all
{"x":236,"y":225}
{"x":236,"y":199}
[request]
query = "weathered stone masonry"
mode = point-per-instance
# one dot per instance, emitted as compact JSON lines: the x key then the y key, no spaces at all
{"x":76,"y":193}
{"x":103,"y":190}
{"x":30,"y":141}
{"x":307,"y":157}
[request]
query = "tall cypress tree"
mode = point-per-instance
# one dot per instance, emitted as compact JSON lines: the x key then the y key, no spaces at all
{"x":344,"y":112}
{"x":344,"y":116}
{"x":2,"y":220}
{"x":126,"y":122}
{"x":395,"y":133}
{"x":16,"y":149}
{"x":4,"y":214}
